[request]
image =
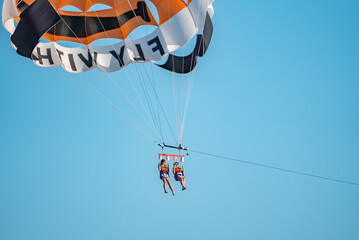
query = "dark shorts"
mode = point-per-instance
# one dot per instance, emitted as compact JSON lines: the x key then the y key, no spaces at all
{"x":178,"y":176}
{"x":163,"y":176}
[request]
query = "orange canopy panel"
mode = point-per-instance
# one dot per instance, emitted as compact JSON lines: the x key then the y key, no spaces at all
{"x":119,"y":21}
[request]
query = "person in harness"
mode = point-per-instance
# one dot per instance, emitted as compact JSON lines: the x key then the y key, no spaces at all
{"x":164,"y":169}
{"x":179,"y":175}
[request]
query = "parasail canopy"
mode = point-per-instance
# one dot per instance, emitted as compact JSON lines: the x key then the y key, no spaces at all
{"x":179,"y":21}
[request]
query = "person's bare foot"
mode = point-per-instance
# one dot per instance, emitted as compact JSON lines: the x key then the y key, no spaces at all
{"x":184,"y":188}
{"x":166,"y":192}
{"x":173,"y":193}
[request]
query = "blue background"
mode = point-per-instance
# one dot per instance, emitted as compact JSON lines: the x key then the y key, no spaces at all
{"x":278,"y":86}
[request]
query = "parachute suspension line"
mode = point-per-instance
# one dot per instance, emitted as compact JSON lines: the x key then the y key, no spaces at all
{"x":188,"y":99}
{"x":182,"y":76}
{"x":140,"y":78}
{"x":134,"y":13}
{"x":162,"y":109}
{"x":125,"y":117}
{"x":181,"y":111}
{"x":277,"y":168}
{"x":147,"y":97}
{"x":191,"y":78}
{"x":154,"y":85}
{"x":144,"y":88}
{"x":190,"y":84}
{"x":169,"y":125}
{"x":143,"y":105}
{"x":153,"y":127}
{"x":135,"y":107}
{"x":156,"y":115}
{"x":174,"y":80}
{"x":176,"y":104}
{"x":119,"y":112}
{"x":157,"y":100}
{"x":107,"y":74}
{"x":107,"y":36}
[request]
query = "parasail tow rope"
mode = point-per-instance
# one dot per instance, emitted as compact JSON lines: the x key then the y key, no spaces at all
{"x":277,"y":168}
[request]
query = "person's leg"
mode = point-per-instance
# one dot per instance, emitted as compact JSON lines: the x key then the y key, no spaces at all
{"x":183,"y":183}
{"x":180,"y":179}
{"x":164,"y":184}
{"x":169,"y":184}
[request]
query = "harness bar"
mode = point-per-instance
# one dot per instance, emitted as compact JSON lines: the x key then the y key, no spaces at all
{"x":179,"y":147}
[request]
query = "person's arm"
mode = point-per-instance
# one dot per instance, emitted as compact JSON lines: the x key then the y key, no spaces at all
{"x":183,"y":169}
{"x":173,"y":171}
{"x":159,"y":167}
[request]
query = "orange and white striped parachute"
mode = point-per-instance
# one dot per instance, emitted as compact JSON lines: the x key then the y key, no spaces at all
{"x":31,"y":21}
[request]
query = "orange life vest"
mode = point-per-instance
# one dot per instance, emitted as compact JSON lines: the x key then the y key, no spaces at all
{"x":164,"y":169}
{"x":178,"y":170}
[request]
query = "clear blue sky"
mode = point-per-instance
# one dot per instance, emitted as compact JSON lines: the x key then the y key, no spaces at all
{"x":279,"y":86}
